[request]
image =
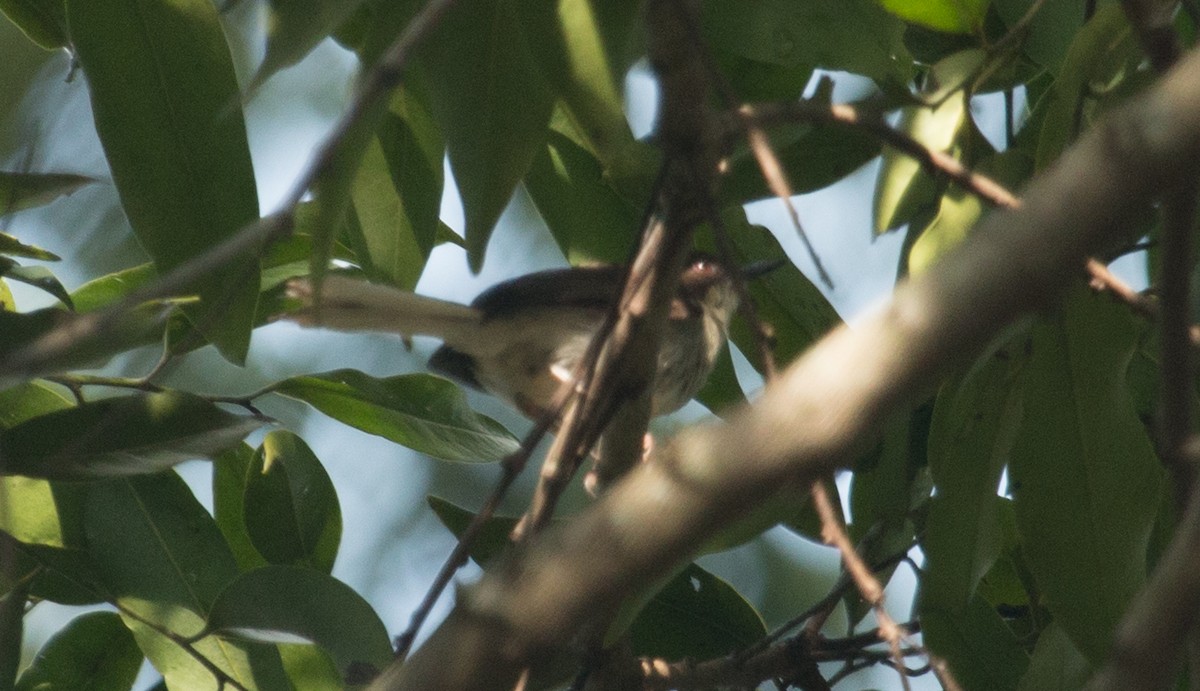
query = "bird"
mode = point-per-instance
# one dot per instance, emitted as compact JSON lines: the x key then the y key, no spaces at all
{"x":521,"y":339}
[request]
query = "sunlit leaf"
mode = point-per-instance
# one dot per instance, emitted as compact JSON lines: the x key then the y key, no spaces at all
{"x":167,"y":109}
{"x":903,"y":190}
{"x":493,"y":104}
{"x":165,"y":562}
{"x":127,"y":435}
{"x":423,"y":412}
{"x":26,"y":190}
{"x":93,"y":651}
{"x":290,"y":506}
{"x":954,"y":16}
{"x":290,"y":604}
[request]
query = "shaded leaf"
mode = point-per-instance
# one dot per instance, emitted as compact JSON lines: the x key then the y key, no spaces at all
{"x":423,"y":412}
{"x":43,"y":21}
{"x":294,"y":28}
{"x":230,"y":471}
{"x":93,"y":651}
{"x":812,"y":157}
{"x":37,"y":276}
{"x":291,"y":508}
{"x":26,"y":190}
{"x":1085,"y":481}
{"x":11,"y":246}
{"x":165,"y":562}
{"x":493,"y":104}
{"x":1056,"y":664}
{"x":980,"y":648}
{"x":121,"y":436}
{"x":493,"y":537}
{"x":166,"y":105}
{"x":12,"y":631}
{"x":286,"y":604}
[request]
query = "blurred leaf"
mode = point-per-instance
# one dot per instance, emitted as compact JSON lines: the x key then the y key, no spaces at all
{"x":958,"y":212}
{"x":493,"y":104}
{"x":722,"y":392}
{"x":756,"y":81}
{"x":1049,"y":35}
{"x":397,"y":193}
{"x":37,"y":276}
{"x":1084,"y":478}
{"x":12,"y":631}
{"x":863,"y":38}
{"x":166,"y":106}
{"x":291,"y":507}
{"x":165,"y":562}
{"x":93,"y":651}
{"x":1056,"y":664}
{"x":493,"y":537}
{"x":695,"y":616}
{"x":812,"y":157}
{"x":13,"y":247}
{"x":105,"y":290}
{"x":230,"y":471}
{"x":26,"y":190}
{"x":126,"y":435}
{"x":290,"y":604}
{"x":294,"y":28}
{"x":975,"y":421}
{"x":564,"y":179}
{"x":953,"y":16}
{"x":976,"y":643}
{"x":807,"y":522}
{"x":425,"y":413}
{"x":43,"y":21}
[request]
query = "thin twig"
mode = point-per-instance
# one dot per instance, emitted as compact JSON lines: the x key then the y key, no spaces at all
{"x":188,"y":646}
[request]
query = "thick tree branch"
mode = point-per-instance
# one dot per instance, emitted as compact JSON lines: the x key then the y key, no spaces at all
{"x":822,"y":411}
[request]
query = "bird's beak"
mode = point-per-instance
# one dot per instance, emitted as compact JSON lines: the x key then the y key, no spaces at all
{"x":761,"y":268}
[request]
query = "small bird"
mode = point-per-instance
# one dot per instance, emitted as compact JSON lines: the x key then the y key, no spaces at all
{"x":521,"y":339}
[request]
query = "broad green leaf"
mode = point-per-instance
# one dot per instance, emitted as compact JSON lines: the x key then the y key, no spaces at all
{"x":1085,"y":481}
{"x":423,"y":412}
{"x":63,"y":575}
{"x":903,"y":190}
{"x":493,"y":104}
{"x":1101,"y":56}
{"x":105,"y":290}
{"x":1048,"y":36}
{"x":695,"y":616}
{"x":812,"y":157}
{"x":43,"y":21}
{"x":397,"y":193}
{"x":1056,"y":664}
{"x":493,"y":537}
{"x":975,"y":421}
{"x":295,"y":27}
{"x":851,"y":35}
{"x":166,"y":105}
{"x":93,"y":651}
{"x":26,"y":190}
{"x":564,"y":179}
{"x":953,"y":16}
{"x":37,"y":276}
{"x":981,"y":650}
{"x":13,"y":247}
{"x":165,"y":562}
{"x":310,"y":667}
{"x":230,"y":470}
{"x":125,"y":435}
{"x":291,"y":508}
{"x":290,"y":604}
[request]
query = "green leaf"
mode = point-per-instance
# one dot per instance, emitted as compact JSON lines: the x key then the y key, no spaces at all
{"x":26,"y":190}
{"x":863,"y":38}
{"x":43,"y":21}
{"x":566,"y":178}
{"x":951,"y":16}
{"x":105,"y":290}
{"x":1084,"y":478}
{"x":230,"y":471}
{"x":722,"y":392}
{"x":121,"y":436}
{"x":36,"y":276}
{"x":423,"y":412}
{"x":975,"y":422}
{"x":695,"y":616}
{"x":12,"y":631}
{"x":493,"y":537}
{"x":165,"y":562}
{"x":294,"y":28}
{"x":493,"y":104}
{"x":812,"y":157}
{"x":1048,"y":36}
{"x":903,"y":190}
{"x":13,"y":247}
{"x":286,"y":603}
{"x":397,"y":193}
{"x":291,"y":508}
{"x":167,"y":109}
{"x":1056,"y":664}
{"x":982,"y":651}
{"x":93,"y":651}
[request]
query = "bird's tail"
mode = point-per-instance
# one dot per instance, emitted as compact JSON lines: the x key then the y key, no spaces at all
{"x":350,"y":305}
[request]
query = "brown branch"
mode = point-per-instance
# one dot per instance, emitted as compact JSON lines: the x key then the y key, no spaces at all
{"x":821,"y":411}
